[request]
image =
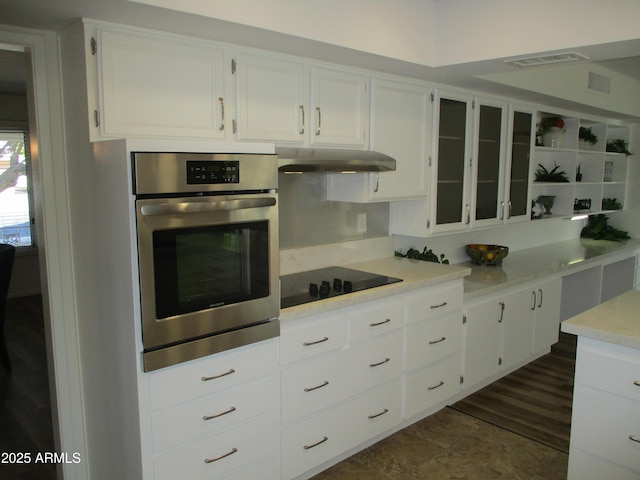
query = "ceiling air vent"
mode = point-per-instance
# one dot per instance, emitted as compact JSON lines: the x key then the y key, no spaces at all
{"x":599,"y":83}
{"x":546,"y":59}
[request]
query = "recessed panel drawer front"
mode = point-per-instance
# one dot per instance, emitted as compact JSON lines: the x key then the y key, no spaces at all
{"x":583,"y":466}
{"x":378,"y":410}
{"x":435,"y":301}
{"x":609,"y":426}
{"x":215,"y":456}
{"x":430,"y":386}
{"x":433,"y":340}
{"x":375,"y":362}
{"x":212,"y":374}
{"x":316,"y":384}
{"x":310,"y":338}
{"x":205,"y":416}
{"x":595,"y":369}
{"x":384,"y":317}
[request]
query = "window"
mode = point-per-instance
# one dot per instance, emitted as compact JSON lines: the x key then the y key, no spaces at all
{"x":15,"y":190}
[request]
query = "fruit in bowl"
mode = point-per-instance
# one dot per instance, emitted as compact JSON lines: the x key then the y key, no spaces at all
{"x":483,"y":254}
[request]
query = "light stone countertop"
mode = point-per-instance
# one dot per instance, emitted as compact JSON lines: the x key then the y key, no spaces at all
{"x":414,"y":274}
{"x":531,"y":264}
{"x":622,"y":325}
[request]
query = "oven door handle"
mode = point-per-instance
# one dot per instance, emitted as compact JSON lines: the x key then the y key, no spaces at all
{"x":209,"y":206}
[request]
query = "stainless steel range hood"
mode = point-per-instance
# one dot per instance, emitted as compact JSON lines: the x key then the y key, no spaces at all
{"x":328,"y":160}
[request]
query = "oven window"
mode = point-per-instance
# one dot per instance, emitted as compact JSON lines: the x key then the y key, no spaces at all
{"x":206,"y":267}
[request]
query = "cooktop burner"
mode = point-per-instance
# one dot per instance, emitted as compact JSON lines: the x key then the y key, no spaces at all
{"x":306,"y":287}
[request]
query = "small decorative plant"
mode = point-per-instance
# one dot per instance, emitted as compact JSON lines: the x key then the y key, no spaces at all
{"x":611,"y":204}
{"x":618,"y":146}
{"x":585,"y":134}
{"x":547,"y":123}
{"x":599,"y":229}
{"x":553,"y":175}
{"x":578,"y":174}
{"x":426,"y":255}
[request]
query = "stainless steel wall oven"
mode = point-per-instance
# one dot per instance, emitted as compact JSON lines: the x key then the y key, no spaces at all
{"x":208,"y":255}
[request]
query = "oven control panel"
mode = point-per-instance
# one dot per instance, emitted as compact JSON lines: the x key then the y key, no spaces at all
{"x":212,"y":172}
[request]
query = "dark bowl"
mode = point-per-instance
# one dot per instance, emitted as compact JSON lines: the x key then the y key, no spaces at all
{"x":482,"y":254}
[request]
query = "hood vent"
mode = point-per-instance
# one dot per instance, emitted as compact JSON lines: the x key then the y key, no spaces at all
{"x":327,"y":160}
{"x":547,"y":59}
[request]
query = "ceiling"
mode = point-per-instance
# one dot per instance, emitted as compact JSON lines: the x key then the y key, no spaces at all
{"x":54,"y":16}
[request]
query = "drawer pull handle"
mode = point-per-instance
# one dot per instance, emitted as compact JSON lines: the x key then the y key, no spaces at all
{"x":443,"y":304}
{"x":433,"y":342}
{"x":380,"y":363}
{"x":371,"y":417}
{"x":308,"y":447}
{"x":436,"y":386}
{"x":226,"y":412}
{"x":206,"y":379}
{"x":380,"y":323}
{"x":211,"y":460}
{"x":308,"y":344}
{"x":311,"y":389}
{"x":634,"y":438}
{"x":636,"y":383}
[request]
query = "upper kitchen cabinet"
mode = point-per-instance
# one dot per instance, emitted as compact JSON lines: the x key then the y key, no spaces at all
{"x":150,"y":85}
{"x":283,"y":100}
{"x":270,"y":99}
{"x":400,"y":126}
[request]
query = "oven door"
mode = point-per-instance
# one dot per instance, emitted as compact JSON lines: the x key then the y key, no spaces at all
{"x":208,"y":265}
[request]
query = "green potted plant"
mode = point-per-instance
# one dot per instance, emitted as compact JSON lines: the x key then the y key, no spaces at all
{"x":553,"y":175}
{"x":552,"y":131}
{"x":587,"y":137}
{"x":618,"y":146}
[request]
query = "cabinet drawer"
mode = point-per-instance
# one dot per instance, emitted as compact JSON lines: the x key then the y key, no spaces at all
{"x":266,"y":469}
{"x":310,"y":338}
{"x":205,"y":416}
{"x":316,"y":384}
{"x":307,"y":444}
{"x":220,"y":454}
{"x":432,"y":385}
{"x":375,"y":362}
{"x":433,"y":340}
{"x":211,"y":374}
{"x":602,"y":423}
{"x":617,"y":370}
{"x":583,"y":466}
{"x":382,"y":318}
{"x":432,"y":302}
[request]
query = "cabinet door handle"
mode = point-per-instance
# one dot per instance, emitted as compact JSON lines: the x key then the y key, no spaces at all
{"x":440,"y":305}
{"x":436,"y":386}
{"x":509,"y":210}
{"x":634,"y":438}
{"x":533,"y":307}
{"x":636,"y":383}
{"x":377,"y":187}
{"x":214,"y":377}
{"x":324,"y":439}
{"x":302,"y":118}
{"x":211,"y":460}
{"x":386,"y":360}
{"x":501,"y":312}
{"x":540,"y":301}
{"x":308,"y":344}
{"x":501,"y":210}
{"x":433,"y":342}
{"x":380,"y":323}
{"x":221,"y":100}
{"x":319,"y":119}
{"x":376,"y":415}
{"x":216,"y":415}
{"x":468,"y":214}
{"x":311,"y":389}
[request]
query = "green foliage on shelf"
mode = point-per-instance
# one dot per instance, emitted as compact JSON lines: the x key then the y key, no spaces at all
{"x":544,"y":175}
{"x":611,"y":204}
{"x":598,"y":228}
{"x":426,"y":255}
{"x":587,"y":135}
{"x":618,"y":146}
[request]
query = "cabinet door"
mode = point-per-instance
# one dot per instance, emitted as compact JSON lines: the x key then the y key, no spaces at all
{"x":340,"y":108}
{"x":547,"y":323}
{"x":520,"y":151}
{"x":400,"y":122}
{"x":488,"y":163}
{"x":517,"y":326}
{"x":481,"y":342}
{"x":270,"y":99}
{"x":154,"y":86}
{"x":453,"y":121}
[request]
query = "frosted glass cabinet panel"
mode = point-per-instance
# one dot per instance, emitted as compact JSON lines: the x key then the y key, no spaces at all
{"x":518,"y":194}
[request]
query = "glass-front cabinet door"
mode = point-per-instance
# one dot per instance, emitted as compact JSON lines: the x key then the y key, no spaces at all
{"x":453,"y":124}
{"x":488,"y":162}
{"x":518,"y":194}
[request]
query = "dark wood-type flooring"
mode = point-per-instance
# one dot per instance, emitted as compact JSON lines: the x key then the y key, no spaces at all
{"x":25,"y":407}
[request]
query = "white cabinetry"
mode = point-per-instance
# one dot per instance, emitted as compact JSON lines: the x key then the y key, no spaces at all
{"x":155,"y":85}
{"x":400,"y":126}
{"x":605,"y":425}
{"x":216,"y":416}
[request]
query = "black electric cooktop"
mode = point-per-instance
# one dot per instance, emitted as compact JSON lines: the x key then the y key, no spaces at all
{"x":314,"y":285}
